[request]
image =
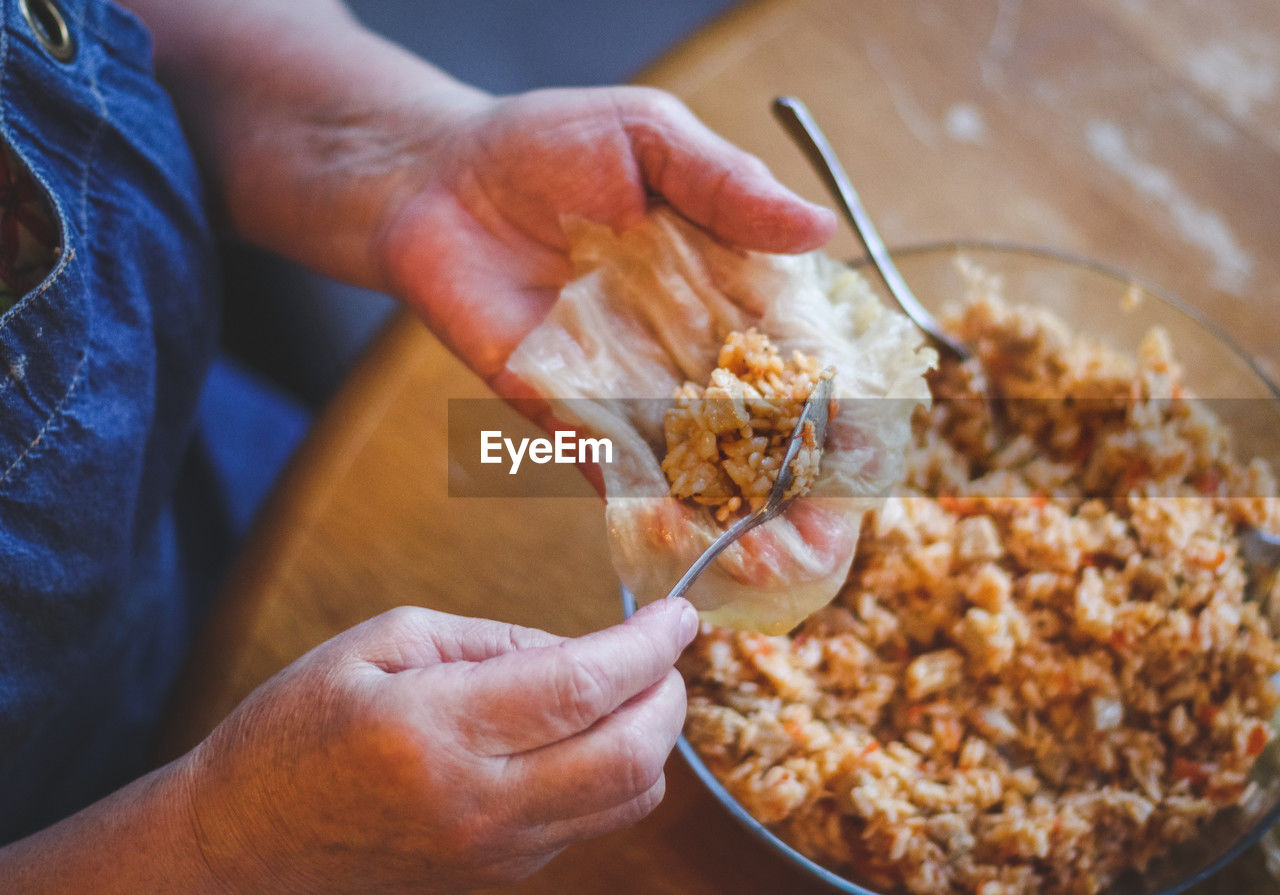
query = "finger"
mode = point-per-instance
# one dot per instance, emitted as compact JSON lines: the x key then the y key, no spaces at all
{"x":532,"y":698}
{"x":532,"y":847}
{"x":558,"y":834}
{"x":412,"y":637}
{"x":715,"y":184}
{"x":611,"y":763}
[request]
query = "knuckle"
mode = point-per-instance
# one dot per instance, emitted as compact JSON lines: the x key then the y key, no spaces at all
{"x":583,"y":692}
{"x":519,"y":637}
{"x":651,"y":104}
{"x":643,"y":804}
{"x":643,"y":759}
{"x":509,"y":871}
{"x":652,"y":797}
{"x":473,"y":837}
{"x":674,"y":684}
{"x":399,"y":619}
{"x":755,"y":167}
{"x":385,"y":741}
{"x":645,"y":98}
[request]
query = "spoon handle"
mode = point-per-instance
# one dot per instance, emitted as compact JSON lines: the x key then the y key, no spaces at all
{"x":731,"y":534}
{"x":795,"y":117}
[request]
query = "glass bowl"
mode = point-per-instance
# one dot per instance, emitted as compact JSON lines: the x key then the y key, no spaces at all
{"x":1117,"y":310}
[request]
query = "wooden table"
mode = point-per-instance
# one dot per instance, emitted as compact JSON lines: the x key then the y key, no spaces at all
{"x":1144,"y":134}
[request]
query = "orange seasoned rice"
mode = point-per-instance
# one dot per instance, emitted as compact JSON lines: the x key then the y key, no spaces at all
{"x":726,"y":441}
{"x":1043,"y":669}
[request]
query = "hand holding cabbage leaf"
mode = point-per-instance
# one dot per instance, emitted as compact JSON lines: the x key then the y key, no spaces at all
{"x":649,"y":310}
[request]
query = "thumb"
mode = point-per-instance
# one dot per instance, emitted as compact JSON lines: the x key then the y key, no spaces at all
{"x":411,"y":637}
{"x":715,"y":184}
{"x":531,"y":698}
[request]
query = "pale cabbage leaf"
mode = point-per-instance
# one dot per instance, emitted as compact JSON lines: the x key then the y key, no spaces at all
{"x":649,"y":309}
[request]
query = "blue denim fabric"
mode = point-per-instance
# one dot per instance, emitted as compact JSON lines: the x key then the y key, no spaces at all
{"x":100,"y":369}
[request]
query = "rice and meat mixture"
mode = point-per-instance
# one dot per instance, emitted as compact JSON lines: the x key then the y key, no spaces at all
{"x":726,"y":441}
{"x":1016,"y":694}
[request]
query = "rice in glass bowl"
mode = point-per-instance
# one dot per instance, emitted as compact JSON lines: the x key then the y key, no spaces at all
{"x":1048,"y":671}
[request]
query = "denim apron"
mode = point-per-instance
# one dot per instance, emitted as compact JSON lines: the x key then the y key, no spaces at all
{"x":100,"y":369}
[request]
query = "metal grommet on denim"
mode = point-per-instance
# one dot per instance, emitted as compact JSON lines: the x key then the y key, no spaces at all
{"x":50,"y":27}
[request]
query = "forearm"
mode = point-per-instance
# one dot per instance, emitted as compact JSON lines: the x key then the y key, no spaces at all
{"x":139,"y":840}
{"x":286,"y":103}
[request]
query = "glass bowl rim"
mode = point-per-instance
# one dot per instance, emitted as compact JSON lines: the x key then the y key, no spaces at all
{"x":842,"y":883}
{"x":1112,"y":272}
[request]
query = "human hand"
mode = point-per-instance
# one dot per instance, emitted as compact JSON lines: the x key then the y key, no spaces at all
{"x":476,"y":246}
{"x":350,"y":155}
{"x":424,"y":752}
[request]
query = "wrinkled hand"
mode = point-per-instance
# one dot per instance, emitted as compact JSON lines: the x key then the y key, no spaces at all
{"x":423,"y":752}
{"x":354,"y":157}
{"x":477,"y":248}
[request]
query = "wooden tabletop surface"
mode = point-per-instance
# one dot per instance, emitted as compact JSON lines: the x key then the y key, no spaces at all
{"x":1141,"y":133}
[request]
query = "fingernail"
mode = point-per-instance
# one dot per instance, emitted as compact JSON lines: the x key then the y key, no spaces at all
{"x":688,"y":622}
{"x":828,"y":216}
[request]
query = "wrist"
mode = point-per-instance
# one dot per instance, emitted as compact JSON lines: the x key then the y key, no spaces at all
{"x":323,"y":189}
{"x":140,"y":839}
{"x":233,"y":843}
{"x":306,"y":124}
{"x":317,"y":177}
